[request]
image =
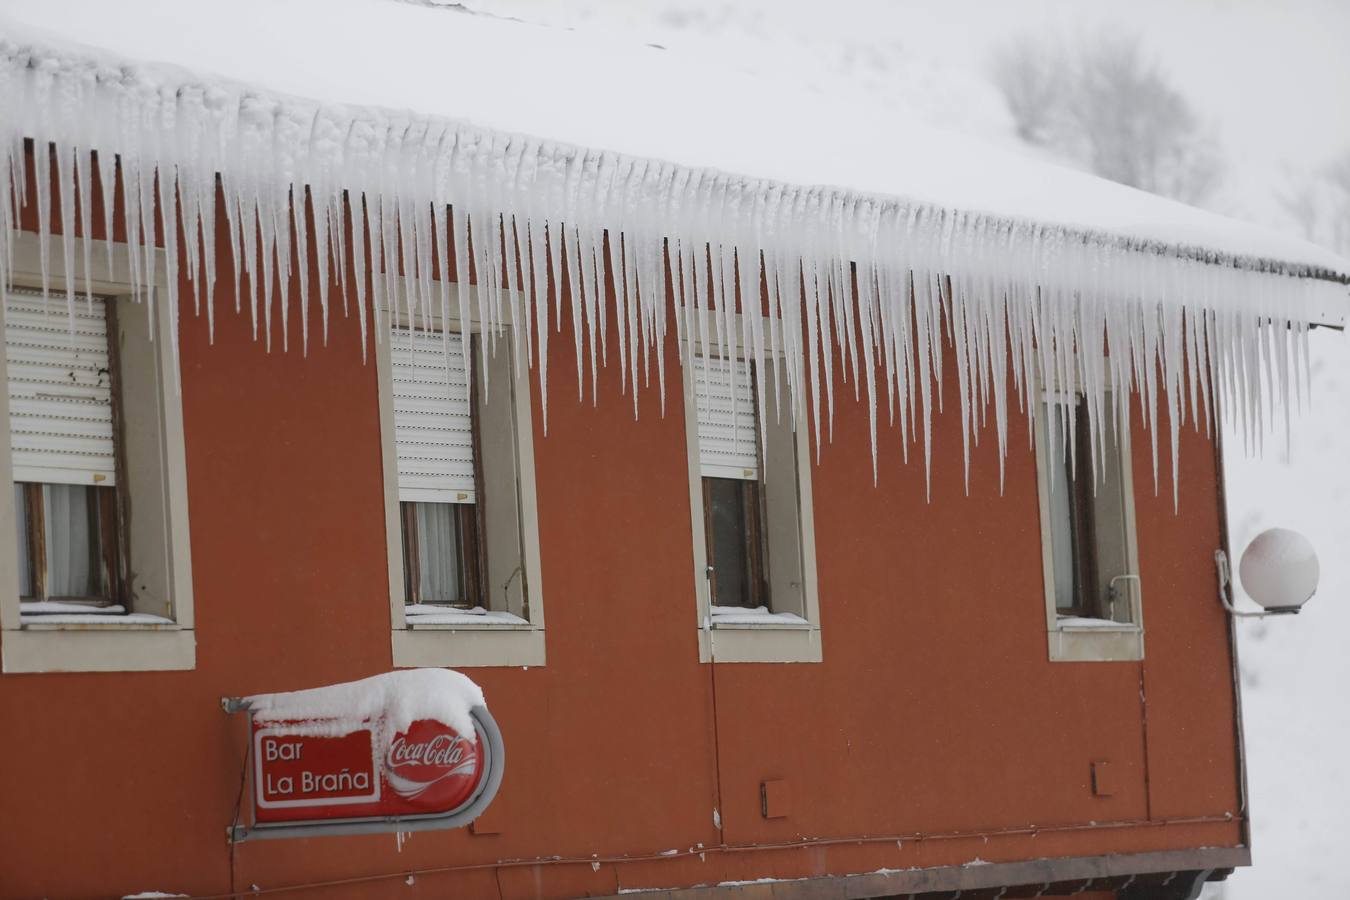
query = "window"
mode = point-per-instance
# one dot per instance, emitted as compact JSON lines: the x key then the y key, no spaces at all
{"x":95,"y":567}
{"x":1087,"y":513}
{"x":729,"y":465}
{"x":63,"y":455}
{"x":437,"y":438}
{"x":465,"y":586}
{"x":750,"y":493}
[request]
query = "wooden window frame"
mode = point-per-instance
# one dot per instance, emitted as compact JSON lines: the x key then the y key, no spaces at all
{"x":105,"y":503}
{"x":469,"y":555}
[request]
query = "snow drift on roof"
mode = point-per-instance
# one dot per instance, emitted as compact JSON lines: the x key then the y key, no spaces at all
{"x":877,"y":240}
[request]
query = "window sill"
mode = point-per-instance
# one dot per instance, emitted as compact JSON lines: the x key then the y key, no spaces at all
{"x":757,"y":617}
{"x":486,"y":644}
{"x":414,"y":624}
{"x":1093,"y":642}
{"x":768,"y":625}
{"x":78,"y":622}
{"x":773,"y":641}
{"x":98,"y":647}
{"x":1078,"y":624}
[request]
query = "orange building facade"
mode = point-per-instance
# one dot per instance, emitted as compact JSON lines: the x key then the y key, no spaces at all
{"x":935,"y":746}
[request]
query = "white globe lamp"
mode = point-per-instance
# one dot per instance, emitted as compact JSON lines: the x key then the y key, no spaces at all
{"x":1279,"y":570}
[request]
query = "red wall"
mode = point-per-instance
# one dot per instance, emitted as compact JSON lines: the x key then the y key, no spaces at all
{"x":935,"y":712}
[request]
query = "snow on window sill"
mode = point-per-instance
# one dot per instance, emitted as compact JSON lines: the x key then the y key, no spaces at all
{"x":49,"y":607}
{"x":755,"y":617}
{"x":42,"y":615}
{"x":1082,"y":623}
{"x":428,"y":616}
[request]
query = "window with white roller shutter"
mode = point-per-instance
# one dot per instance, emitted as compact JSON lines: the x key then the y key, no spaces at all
{"x":729,"y":464}
{"x":750,"y":505}
{"x":462,"y":530}
{"x":435,"y":439}
{"x":95,"y":540}
{"x":63,"y":452}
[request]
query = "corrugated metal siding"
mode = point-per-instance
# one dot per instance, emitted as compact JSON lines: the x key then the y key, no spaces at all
{"x":60,"y":390}
{"x":728,"y":438}
{"x":433,"y":421}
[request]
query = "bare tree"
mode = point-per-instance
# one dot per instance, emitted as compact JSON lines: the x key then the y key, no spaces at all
{"x":1030,"y":76}
{"x":1338,"y":177}
{"x":1303,"y":203}
{"x":1319,"y":203}
{"x":1110,"y":108}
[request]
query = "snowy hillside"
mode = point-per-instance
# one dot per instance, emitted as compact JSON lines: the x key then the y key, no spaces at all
{"x":1266,"y":74}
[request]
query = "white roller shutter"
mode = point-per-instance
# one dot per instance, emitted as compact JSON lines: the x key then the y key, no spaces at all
{"x":728,"y":438}
{"x":60,"y":390}
{"x":433,"y":422}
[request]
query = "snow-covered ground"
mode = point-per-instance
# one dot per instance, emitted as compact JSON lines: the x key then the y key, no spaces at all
{"x":1270,"y":77}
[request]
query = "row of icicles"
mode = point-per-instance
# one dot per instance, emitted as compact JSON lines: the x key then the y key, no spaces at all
{"x":895,"y":322}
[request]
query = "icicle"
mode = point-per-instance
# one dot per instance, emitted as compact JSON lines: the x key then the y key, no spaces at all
{"x":42,"y":166}
{"x":893,"y":296}
{"x":84,"y":195}
{"x":65,"y":181}
{"x":360,"y":229}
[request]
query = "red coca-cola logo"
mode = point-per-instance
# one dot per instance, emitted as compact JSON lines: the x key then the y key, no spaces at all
{"x":433,"y":766}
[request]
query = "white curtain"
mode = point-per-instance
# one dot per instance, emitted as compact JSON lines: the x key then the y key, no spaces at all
{"x":438,"y":553}
{"x":70,"y":541}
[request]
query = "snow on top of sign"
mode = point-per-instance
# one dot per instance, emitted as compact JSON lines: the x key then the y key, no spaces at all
{"x":389,"y":703}
{"x":532,"y":155}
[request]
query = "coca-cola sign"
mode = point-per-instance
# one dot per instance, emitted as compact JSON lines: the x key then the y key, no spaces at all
{"x":428,"y":776}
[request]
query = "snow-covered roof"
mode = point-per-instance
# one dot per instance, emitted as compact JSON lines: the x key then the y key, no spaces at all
{"x":599,"y":93}
{"x":441,"y":117}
